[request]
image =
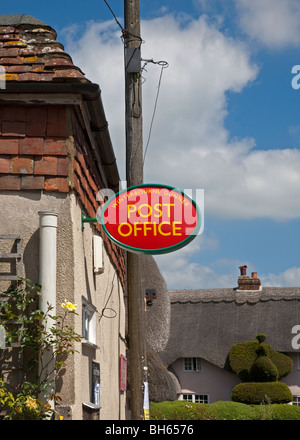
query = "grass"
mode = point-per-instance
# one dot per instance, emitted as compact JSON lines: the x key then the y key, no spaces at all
{"x":223,"y":410}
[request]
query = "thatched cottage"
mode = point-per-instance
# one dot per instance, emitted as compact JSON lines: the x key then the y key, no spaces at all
{"x":205,"y":323}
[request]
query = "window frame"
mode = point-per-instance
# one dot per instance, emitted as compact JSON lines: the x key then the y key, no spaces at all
{"x":296,"y":400}
{"x":195,"y":397}
{"x":88,"y":322}
{"x":196,"y":365}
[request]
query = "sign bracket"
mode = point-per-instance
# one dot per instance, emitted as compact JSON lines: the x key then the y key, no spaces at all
{"x":85,"y":219}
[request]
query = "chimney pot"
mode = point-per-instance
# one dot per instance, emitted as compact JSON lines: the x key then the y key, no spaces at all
{"x":248,"y":283}
{"x":243,"y":270}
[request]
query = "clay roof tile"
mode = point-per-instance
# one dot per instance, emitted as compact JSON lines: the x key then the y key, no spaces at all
{"x":26,"y":41}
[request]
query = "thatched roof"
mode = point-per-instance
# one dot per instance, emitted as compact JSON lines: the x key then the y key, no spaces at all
{"x":162,"y":385}
{"x":206,"y":323}
{"x":158,"y":314}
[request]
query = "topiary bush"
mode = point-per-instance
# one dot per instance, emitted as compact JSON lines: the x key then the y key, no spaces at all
{"x":260,"y":368}
{"x":263,"y":368}
{"x":257,"y":392}
{"x":243,"y":355}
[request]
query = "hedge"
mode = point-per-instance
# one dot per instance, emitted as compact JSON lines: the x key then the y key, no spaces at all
{"x":258,"y":392}
{"x":222,"y":410}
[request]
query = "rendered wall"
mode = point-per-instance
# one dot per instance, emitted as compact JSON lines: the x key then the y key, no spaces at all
{"x":219,"y":383}
{"x":293,"y":379}
{"x":105,"y":292}
{"x":212,"y":380}
{"x":75,"y":279}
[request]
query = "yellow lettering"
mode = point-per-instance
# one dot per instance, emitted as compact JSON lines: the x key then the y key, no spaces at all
{"x":137,"y":227}
{"x":148,"y":208}
{"x":176,"y":229}
{"x":130,"y":208}
{"x":157,"y":207}
{"x":148,"y":227}
{"x":120,"y":229}
{"x":169,"y":207}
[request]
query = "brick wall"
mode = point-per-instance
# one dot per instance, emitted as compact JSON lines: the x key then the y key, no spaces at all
{"x":33,"y":150}
{"x":87,"y":182}
{"x":45,"y":148}
{"x":247,"y":283}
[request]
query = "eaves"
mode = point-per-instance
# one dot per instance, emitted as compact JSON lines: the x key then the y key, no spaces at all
{"x":86,"y":97}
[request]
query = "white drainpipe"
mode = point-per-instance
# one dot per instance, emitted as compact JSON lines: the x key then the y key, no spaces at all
{"x":48,"y":229}
{"x":47,"y":276}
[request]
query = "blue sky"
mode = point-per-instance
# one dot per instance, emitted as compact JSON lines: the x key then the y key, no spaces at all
{"x":227,"y":121}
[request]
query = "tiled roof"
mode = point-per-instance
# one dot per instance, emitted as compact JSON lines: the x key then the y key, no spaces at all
{"x":30,"y":52}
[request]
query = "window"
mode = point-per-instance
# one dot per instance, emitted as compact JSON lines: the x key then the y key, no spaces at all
{"x":296,"y":400}
{"x":88,"y":322}
{"x":196,"y":398}
{"x":191,"y":364}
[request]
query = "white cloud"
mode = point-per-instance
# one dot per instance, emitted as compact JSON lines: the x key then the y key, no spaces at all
{"x":189,"y":145}
{"x":184,"y":269}
{"x":182,"y":272}
{"x":274,"y":23}
{"x":289,"y":278}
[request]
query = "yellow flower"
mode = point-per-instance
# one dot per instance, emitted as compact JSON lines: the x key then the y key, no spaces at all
{"x":31,"y":403}
{"x":69,"y":306}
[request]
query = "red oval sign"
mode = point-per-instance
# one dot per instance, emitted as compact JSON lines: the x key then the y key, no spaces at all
{"x":151,"y":219}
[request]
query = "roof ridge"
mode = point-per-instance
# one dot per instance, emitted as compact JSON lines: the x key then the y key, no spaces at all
{"x":30,"y":52}
{"x":18,"y":19}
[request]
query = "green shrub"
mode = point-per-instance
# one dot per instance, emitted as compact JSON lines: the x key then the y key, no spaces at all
{"x":223,"y":410}
{"x":257,"y":392}
{"x":285,"y":412}
{"x":179,"y":410}
{"x":263,"y":370}
{"x":283,"y":363}
{"x":232,"y":411}
{"x":243,"y":355}
{"x":261,"y":337}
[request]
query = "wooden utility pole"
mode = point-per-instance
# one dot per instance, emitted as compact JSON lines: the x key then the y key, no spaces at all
{"x":134,"y":176}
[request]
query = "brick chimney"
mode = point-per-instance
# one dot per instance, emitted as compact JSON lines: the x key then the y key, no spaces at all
{"x":248,"y":283}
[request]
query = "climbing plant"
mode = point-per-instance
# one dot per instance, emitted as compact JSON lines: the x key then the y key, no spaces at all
{"x":37,"y":333}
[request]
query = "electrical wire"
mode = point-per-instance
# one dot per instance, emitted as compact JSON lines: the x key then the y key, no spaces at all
{"x":125,"y":32}
{"x":114,"y":312}
{"x":163,"y":65}
{"x":125,"y":36}
{"x":118,"y":23}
